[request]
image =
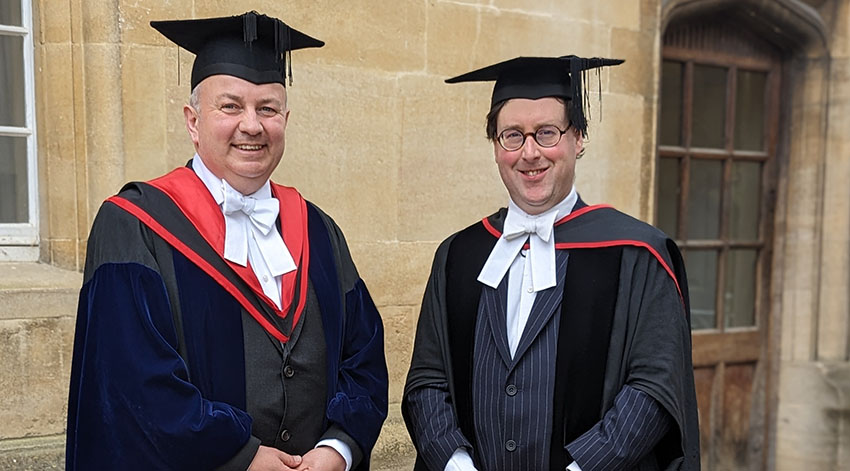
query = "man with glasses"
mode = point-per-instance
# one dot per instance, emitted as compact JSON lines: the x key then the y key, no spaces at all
{"x":553,"y":335}
{"x":222,"y":323}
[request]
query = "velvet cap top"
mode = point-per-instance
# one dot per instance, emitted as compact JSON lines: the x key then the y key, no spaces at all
{"x":539,"y":77}
{"x":251,"y":46}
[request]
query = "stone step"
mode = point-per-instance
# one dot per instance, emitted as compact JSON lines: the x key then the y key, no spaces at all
{"x":33,"y":454}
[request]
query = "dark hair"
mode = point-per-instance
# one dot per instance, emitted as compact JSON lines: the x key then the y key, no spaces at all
{"x":493,"y":116}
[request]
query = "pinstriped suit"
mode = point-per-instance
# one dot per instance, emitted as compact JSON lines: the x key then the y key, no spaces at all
{"x":515,"y":432}
{"x":606,"y":382}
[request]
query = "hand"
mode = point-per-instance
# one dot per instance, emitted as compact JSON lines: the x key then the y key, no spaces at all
{"x":272,"y":459}
{"x":323,"y":458}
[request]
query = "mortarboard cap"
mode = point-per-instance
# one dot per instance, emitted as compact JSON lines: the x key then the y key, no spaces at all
{"x":539,"y":77}
{"x":250,"y":46}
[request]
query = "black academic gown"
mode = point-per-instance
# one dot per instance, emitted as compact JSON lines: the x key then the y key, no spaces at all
{"x":627,"y":281}
{"x":158,"y":377}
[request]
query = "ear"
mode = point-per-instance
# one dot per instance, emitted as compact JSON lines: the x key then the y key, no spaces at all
{"x":579,"y":142}
{"x":285,"y":118}
{"x":191,"y":123}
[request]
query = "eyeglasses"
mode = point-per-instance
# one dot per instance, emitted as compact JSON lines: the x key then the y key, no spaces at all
{"x":544,"y":136}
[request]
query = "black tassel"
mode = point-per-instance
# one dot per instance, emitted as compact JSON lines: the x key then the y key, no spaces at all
{"x":249,"y":28}
{"x":289,"y":53}
{"x":578,"y":97}
{"x":278,"y":47}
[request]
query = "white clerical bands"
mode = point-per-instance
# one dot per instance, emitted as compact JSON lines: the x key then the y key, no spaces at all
{"x":244,"y":216}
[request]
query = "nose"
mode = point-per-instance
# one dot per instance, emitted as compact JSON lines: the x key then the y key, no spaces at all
{"x":250,"y":123}
{"x":530,"y":149}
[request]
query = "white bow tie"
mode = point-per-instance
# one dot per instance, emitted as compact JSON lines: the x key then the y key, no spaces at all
{"x":262,"y":213}
{"x":521,"y":226}
{"x":242,"y":213}
{"x":518,"y":228}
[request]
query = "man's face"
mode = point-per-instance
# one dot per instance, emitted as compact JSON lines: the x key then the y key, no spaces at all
{"x":238,"y":129}
{"x":537,"y":178}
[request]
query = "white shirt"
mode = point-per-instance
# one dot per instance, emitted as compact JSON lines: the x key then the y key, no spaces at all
{"x":268,"y":259}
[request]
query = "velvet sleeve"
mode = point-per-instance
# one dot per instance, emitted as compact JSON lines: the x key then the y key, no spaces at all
{"x":358,"y":378}
{"x":130,"y":403}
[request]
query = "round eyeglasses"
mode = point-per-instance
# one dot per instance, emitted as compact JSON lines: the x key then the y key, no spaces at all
{"x":545,"y":136}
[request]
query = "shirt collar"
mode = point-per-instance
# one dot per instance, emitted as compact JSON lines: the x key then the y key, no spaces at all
{"x":215,"y":185}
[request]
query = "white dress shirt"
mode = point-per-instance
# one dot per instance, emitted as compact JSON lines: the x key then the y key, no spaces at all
{"x":267,"y":253}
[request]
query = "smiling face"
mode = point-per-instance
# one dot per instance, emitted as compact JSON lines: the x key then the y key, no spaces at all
{"x":537,"y":178}
{"x":238,"y":129}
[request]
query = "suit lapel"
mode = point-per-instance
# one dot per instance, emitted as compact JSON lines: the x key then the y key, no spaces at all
{"x":493,"y":302}
{"x":545,"y":304}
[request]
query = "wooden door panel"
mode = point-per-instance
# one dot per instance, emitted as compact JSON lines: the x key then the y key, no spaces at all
{"x":704,"y":382}
{"x":738,"y":381}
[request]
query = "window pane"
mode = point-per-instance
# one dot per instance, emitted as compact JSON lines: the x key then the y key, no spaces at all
{"x":746,"y":195}
{"x":709,"y":110}
{"x":668,"y":195}
{"x":13,"y":180}
{"x":704,"y":199}
{"x":671,"y":103}
{"x":749,"y":110}
{"x":10,"y":12}
{"x":701,"y":266}
{"x":739,"y":297}
{"x":12,"y":111}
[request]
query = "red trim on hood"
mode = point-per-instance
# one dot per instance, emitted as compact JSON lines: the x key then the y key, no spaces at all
{"x":591,"y":245}
{"x":175,"y":242}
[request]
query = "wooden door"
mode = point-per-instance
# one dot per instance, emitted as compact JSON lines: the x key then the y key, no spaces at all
{"x":715,"y":192}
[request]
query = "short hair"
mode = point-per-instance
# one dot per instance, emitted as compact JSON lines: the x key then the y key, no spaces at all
{"x":195,"y":98}
{"x":493,"y":116}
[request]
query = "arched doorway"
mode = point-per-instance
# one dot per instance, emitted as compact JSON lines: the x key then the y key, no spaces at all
{"x":725,"y":72}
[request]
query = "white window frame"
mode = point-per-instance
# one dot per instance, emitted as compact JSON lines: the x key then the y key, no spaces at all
{"x":19,"y":241}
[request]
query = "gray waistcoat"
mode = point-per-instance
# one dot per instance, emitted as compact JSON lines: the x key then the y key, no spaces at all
{"x":286,"y":384}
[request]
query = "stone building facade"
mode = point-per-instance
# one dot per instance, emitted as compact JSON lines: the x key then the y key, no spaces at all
{"x":400,"y":160}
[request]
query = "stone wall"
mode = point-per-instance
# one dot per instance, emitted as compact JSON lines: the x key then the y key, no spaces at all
{"x":375,"y":137}
{"x":812,"y":428}
{"x":399,"y":159}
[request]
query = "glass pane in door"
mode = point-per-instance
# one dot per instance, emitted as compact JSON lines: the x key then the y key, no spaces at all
{"x":746,"y":194}
{"x":668,"y":195}
{"x":704,"y":199}
{"x":709,"y":107}
{"x":749,"y":110}
{"x":739,"y":295}
{"x":671,"y":103}
{"x":701,"y":266}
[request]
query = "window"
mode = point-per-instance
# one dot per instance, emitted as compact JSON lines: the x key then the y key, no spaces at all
{"x":714,"y":148}
{"x":18,"y":203}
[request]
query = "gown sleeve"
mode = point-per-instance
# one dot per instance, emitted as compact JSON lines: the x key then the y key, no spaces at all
{"x":131,"y":405}
{"x":427,"y":404}
{"x":358,"y":375}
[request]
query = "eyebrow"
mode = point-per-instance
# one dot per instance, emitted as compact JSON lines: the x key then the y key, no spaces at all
{"x":237,"y":98}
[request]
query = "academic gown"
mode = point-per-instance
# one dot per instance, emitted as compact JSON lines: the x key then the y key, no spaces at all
{"x":158,"y":377}
{"x":625,"y":321}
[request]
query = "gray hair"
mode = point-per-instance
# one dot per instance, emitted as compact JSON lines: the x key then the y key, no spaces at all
{"x":195,"y":98}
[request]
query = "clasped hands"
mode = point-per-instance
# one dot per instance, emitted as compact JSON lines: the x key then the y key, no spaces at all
{"x":323,"y":458}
